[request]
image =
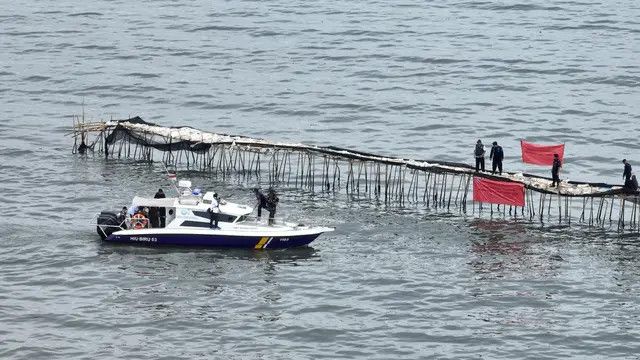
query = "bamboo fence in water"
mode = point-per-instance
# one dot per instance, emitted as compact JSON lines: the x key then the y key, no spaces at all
{"x":437,"y":185}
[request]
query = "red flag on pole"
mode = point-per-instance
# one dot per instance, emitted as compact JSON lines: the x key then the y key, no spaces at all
{"x":540,"y":154}
{"x":498,"y":192}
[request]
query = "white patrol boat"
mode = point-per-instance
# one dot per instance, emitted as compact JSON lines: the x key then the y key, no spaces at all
{"x":187,"y":224}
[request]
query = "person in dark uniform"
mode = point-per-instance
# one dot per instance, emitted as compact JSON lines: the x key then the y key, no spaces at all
{"x":631,"y":185}
{"x":272,"y":203}
{"x":162,"y":212}
{"x":262,"y":201}
{"x":496,"y":156}
{"x":153,"y":217}
{"x":123,"y":213}
{"x":479,"y":154}
{"x":626,"y":174}
{"x":122,"y":216}
{"x":555,"y":170}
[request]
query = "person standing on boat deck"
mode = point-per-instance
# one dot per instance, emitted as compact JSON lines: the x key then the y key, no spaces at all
{"x":555,"y":170}
{"x":123,"y":213}
{"x":626,"y":174}
{"x":162,"y":212}
{"x":496,"y":156}
{"x":122,"y":216}
{"x":479,"y":154}
{"x":214,"y":209}
{"x":272,"y":203}
{"x":153,"y":217}
{"x":262,"y":201}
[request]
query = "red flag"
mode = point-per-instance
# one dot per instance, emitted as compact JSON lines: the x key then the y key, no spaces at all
{"x":498,"y":192}
{"x":540,"y":154}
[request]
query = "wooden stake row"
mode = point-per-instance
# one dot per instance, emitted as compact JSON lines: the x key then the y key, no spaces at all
{"x":386,"y":182}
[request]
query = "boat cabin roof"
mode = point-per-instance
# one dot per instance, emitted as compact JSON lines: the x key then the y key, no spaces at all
{"x":151,"y":202}
{"x":189,"y":202}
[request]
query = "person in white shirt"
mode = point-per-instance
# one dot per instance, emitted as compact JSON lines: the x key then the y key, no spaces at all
{"x":214,"y":209}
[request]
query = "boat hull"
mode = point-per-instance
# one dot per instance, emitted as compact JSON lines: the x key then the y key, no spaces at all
{"x":213,"y":239}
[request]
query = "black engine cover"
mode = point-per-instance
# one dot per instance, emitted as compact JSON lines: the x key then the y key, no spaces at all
{"x":108,"y":218}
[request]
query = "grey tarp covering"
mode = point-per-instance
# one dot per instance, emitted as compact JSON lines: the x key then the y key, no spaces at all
{"x":187,"y":138}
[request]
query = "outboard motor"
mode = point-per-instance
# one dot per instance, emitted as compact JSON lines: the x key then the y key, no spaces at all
{"x":108,"y":223}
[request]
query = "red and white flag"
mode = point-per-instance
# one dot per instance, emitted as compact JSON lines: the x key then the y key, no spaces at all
{"x":498,"y":192}
{"x":540,"y":154}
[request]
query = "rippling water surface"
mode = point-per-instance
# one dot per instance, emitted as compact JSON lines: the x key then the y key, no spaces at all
{"x":408,"y":78}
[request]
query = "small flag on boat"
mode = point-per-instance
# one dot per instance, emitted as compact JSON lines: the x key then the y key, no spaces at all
{"x":498,"y":192}
{"x":171,"y":175}
{"x":540,"y":154}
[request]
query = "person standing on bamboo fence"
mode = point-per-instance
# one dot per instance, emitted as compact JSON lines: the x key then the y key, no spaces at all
{"x":626,"y":174}
{"x":555,"y":170}
{"x":496,"y":155}
{"x":479,"y":154}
